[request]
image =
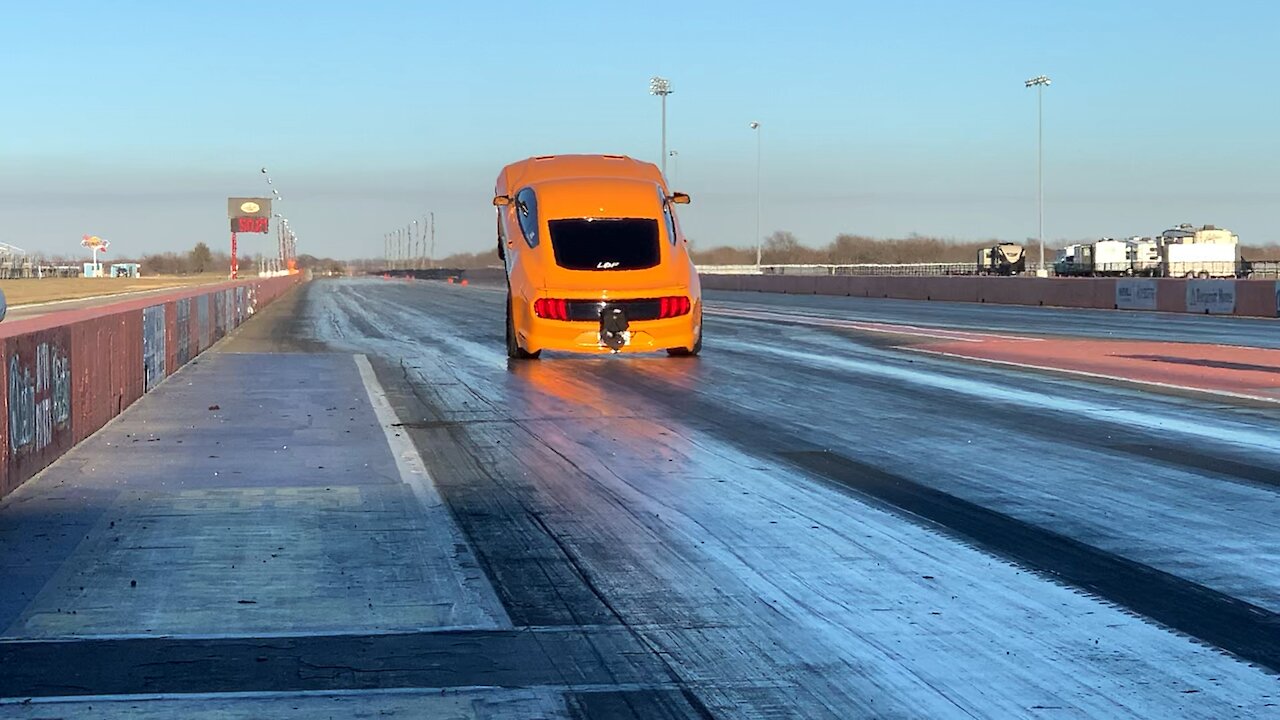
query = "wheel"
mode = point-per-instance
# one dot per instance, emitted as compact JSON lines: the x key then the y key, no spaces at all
{"x":514,"y":351}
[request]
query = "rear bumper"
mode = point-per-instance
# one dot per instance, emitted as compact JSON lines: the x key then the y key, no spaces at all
{"x":583,"y":336}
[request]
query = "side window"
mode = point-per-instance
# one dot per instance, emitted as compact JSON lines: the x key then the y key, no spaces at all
{"x":668,"y":217}
{"x":527,"y":213}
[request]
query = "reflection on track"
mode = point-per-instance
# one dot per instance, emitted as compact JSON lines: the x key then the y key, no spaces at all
{"x":805,"y":523}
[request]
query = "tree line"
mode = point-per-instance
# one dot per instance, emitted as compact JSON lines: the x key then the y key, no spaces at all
{"x":783,"y":247}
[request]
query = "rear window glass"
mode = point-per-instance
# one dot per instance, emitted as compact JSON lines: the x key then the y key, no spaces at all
{"x":605,"y":244}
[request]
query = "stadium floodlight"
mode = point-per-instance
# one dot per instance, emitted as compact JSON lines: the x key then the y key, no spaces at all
{"x":661,"y":87}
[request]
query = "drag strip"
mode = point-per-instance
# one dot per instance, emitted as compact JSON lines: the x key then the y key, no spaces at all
{"x":871,"y":529}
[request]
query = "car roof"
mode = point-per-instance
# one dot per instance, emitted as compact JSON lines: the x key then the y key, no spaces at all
{"x":556,"y":167}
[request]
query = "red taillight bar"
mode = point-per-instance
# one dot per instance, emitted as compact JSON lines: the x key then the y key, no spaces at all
{"x":669,"y":307}
{"x":558,"y":308}
{"x":551,"y":308}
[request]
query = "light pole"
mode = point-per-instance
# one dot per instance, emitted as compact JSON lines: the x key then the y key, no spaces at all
{"x":1040,"y":82}
{"x":433,"y":237}
{"x":417,"y":255}
{"x":662,"y":88}
{"x":675,"y":166}
{"x":756,"y":127}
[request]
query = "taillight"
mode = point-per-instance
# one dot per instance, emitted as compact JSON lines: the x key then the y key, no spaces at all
{"x":669,"y":307}
{"x":551,"y":308}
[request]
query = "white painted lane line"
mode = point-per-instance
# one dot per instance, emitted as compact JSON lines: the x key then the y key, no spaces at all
{"x":413,"y":472}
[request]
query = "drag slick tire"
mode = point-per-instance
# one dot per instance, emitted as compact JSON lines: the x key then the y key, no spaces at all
{"x":686,"y":352}
{"x":514,"y":351}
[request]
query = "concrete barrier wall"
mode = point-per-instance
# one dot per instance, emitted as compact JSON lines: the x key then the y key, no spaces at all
{"x":488,"y":276}
{"x":1257,"y":298}
{"x":67,"y":374}
{"x":1253,"y":298}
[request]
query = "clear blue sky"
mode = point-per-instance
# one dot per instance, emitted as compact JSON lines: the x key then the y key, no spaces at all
{"x":135,"y":120}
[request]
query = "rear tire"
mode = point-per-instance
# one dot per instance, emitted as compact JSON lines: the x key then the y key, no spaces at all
{"x":687,"y":352}
{"x":514,"y":351}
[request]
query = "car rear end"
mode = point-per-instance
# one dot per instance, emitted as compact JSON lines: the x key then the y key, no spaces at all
{"x":617,"y":274}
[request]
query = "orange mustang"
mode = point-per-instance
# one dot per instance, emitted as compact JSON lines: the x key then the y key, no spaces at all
{"x":595,"y":259}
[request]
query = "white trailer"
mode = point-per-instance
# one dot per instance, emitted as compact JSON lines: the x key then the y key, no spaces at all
{"x":1111,"y":257}
{"x":1144,"y":256}
{"x":1200,"y":259}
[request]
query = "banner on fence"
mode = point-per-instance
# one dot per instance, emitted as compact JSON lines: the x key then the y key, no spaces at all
{"x":1135,"y":294}
{"x":1216,"y":297}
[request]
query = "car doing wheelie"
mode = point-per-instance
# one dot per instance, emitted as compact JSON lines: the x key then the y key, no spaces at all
{"x":595,"y":259}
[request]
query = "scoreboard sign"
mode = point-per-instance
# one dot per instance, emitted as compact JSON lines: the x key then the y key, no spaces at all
{"x":249,"y":225}
{"x":249,"y":215}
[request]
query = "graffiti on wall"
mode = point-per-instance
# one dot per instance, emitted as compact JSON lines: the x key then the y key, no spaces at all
{"x":219,"y":307}
{"x":39,"y":397}
{"x":202,"y":320}
{"x":153,"y":360}
{"x":182,"y":309}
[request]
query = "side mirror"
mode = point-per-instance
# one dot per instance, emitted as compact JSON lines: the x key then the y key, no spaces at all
{"x":501,"y":201}
{"x":679,"y":198}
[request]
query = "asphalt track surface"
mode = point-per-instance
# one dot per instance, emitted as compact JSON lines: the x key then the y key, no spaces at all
{"x":806,"y":521}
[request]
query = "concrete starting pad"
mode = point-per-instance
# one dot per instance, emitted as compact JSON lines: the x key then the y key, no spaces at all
{"x":256,"y":497}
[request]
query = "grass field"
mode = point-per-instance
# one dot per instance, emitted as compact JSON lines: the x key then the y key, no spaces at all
{"x":39,"y":290}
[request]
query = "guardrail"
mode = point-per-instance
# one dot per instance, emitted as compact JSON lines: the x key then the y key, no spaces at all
{"x":66,"y":374}
{"x":1241,"y":269}
{"x":1252,"y":297}
{"x":484,"y":274}
{"x":867,"y":269}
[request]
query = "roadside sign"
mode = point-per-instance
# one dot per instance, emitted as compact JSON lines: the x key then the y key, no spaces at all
{"x":249,"y":214}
